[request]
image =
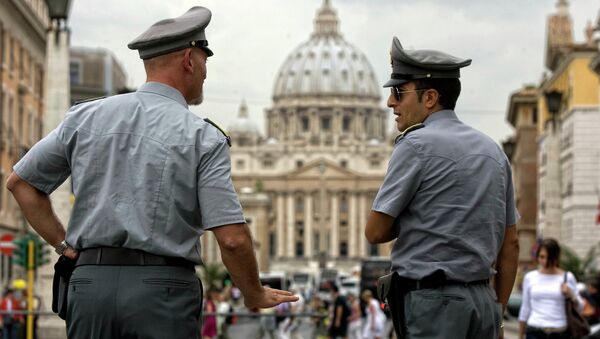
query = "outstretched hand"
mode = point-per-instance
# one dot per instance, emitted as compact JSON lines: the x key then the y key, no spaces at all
{"x":269,"y":297}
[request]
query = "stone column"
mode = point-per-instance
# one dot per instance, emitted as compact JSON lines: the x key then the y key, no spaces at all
{"x":362,"y":221}
{"x":352,"y":226}
{"x":334,"y":227}
{"x":280,"y":225}
{"x":308,"y":219}
{"x":290,"y":226}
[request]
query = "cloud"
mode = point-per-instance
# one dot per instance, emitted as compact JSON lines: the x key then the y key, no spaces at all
{"x":252,"y":39}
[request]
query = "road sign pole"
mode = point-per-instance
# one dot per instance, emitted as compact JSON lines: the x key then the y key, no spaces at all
{"x":30,"y":268}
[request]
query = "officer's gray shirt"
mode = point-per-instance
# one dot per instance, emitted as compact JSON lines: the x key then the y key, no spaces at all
{"x":146,"y":173}
{"x":450,"y":189}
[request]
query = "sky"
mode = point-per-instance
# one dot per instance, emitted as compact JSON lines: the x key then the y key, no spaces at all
{"x":252,"y":39}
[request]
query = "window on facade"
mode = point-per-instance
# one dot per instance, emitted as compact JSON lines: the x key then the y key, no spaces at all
{"x":326,"y":123}
{"x":344,"y":163}
{"x":535,"y":115}
{"x":1,"y":191}
{"x":373,"y":250}
{"x":272,"y":244}
{"x":299,"y":163}
{"x":305,"y":124}
{"x":240,"y":164}
{"x":300,"y":207}
{"x":346,"y":124}
{"x":2,"y":49}
{"x":343,"y":249}
{"x":21,"y":61}
{"x":344,"y":204}
{"x":75,"y":72}
{"x":11,"y":52}
{"x":299,"y":249}
{"x":544,"y":158}
{"x":268,"y":163}
{"x":375,"y":163}
{"x":9,"y":123}
{"x":40,"y":82}
{"x":1,"y":111}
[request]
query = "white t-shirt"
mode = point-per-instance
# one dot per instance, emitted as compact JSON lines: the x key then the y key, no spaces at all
{"x":543,"y":303}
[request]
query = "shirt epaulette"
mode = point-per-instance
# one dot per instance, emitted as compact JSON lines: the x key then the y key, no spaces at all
{"x":408,"y":130}
{"x":87,"y":100}
{"x":220,"y":129}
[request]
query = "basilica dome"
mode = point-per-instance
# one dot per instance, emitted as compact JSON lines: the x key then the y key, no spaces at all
{"x":326,"y":65}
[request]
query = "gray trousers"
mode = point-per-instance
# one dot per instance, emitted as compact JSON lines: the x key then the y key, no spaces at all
{"x":134,"y":302}
{"x":453,"y":312}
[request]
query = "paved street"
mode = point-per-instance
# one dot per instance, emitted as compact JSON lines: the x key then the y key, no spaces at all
{"x":249,"y":328}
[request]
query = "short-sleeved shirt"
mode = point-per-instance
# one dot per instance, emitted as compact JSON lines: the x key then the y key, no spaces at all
{"x":449,"y":188}
{"x":146,"y":173}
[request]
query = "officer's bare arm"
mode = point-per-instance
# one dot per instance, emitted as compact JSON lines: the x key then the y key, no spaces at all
{"x":380,"y":228}
{"x":237,"y":253}
{"x":37,"y":209}
{"x":506,"y":265}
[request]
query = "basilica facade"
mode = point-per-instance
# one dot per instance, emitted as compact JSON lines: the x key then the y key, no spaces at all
{"x":308,"y":185}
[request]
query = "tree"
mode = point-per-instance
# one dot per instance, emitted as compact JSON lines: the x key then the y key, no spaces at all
{"x":213,"y":274}
{"x":580,"y":267}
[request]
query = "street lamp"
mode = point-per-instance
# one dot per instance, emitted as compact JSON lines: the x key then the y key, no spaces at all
{"x":553,"y":102}
{"x":58,"y":9}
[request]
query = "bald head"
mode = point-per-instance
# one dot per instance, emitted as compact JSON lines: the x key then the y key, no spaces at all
{"x":185,"y":70}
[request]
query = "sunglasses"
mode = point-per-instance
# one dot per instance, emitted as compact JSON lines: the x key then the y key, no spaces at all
{"x":397,"y":92}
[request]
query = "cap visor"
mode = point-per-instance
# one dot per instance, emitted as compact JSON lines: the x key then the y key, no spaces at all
{"x":208,"y":51}
{"x":395,"y":82}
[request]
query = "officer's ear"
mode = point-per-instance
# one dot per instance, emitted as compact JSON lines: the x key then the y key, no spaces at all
{"x":431,"y":98}
{"x":187,"y":61}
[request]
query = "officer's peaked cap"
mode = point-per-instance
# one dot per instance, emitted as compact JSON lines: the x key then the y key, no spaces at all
{"x":408,"y":65}
{"x":170,"y":35}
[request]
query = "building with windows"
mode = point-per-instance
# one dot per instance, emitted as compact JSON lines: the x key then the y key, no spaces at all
{"x":23,"y":26}
{"x":569,"y":144}
{"x":308,"y":185}
{"x":95,"y":72}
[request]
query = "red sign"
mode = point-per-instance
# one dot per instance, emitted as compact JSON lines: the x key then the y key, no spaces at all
{"x":6,"y":244}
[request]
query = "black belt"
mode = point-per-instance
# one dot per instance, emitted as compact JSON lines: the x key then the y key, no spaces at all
{"x":119,"y":256}
{"x":435,"y":281}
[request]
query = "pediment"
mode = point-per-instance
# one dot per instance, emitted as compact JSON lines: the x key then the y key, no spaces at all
{"x":322,"y":168}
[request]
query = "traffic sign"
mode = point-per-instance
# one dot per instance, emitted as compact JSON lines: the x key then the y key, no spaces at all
{"x":7,"y":246}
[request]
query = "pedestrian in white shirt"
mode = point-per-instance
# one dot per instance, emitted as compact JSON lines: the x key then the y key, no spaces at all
{"x":542,"y":314}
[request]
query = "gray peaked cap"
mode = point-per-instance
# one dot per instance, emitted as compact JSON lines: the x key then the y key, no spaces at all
{"x":408,"y":65}
{"x":170,"y":35}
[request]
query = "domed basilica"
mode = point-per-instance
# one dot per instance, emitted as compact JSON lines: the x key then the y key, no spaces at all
{"x":307,"y":187}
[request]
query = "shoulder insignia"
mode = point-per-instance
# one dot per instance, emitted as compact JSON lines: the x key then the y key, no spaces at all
{"x":408,"y":130}
{"x":87,"y":100}
{"x":220,"y":129}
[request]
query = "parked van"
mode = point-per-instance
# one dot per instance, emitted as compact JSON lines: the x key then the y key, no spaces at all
{"x":274,"y":280}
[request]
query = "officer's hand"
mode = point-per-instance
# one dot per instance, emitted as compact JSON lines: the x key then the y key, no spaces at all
{"x":71,"y":253}
{"x":269,"y":297}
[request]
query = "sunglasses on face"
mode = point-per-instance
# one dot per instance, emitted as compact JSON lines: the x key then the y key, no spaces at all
{"x":398,"y":91}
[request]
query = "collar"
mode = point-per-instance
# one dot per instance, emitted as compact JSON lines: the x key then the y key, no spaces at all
{"x":164,"y":90}
{"x":446,"y":114}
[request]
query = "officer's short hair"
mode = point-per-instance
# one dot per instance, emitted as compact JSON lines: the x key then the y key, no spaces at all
{"x":448,"y":89}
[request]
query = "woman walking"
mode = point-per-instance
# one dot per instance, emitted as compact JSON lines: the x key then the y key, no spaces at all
{"x":542,"y":313}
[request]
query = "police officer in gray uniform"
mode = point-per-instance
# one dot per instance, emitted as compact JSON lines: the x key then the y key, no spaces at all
{"x":149,"y":177}
{"x":447,"y":201}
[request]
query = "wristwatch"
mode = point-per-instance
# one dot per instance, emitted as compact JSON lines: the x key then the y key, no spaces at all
{"x":62,"y":247}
